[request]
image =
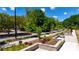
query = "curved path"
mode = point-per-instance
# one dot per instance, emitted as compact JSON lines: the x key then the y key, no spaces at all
{"x":71,"y":43}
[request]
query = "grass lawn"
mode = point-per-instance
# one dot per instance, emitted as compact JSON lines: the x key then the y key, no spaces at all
{"x":77,"y":33}
{"x":15,"y":48}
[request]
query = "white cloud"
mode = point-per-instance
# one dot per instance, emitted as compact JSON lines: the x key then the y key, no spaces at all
{"x":52,"y":8}
{"x":12,"y":8}
{"x":65,"y":13}
{"x":4,"y":9}
{"x":43,"y":9}
{"x":55,"y":16}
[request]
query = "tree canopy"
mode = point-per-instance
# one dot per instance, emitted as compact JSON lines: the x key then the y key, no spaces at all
{"x":5,"y":22}
{"x":36,"y":18}
{"x":72,"y":22}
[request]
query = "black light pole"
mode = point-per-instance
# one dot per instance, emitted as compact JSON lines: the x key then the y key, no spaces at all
{"x":15,"y":24}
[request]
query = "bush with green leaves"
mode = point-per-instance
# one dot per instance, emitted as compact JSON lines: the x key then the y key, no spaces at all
{"x":48,"y":38}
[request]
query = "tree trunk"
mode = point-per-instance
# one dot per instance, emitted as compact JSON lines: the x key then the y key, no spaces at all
{"x":39,"y":34}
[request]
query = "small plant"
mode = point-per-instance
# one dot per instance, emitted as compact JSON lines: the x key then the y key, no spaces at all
{"x":1,"y":49}
{"x":28,"y":43}
{"x":20,"y":42}
{"x":9,"y":40}
{"x":48,"y":38}
{"x":3,"y":42}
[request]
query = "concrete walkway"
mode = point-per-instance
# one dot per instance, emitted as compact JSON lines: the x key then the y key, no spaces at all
{"x":71,"y":43}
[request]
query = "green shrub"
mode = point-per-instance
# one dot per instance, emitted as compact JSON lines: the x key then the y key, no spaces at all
{"x":48,"y":38}
{"x":9,"y":40}
{"x":3,"y":42}
{"x":1,"y":49}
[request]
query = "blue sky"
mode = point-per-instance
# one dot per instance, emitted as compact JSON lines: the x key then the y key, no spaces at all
{"x":57,"y":12}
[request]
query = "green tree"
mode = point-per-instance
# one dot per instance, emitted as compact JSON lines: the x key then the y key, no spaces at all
{"x":35,"y":18}
{"x":34,"y":21}
{"x":5,"y":22}
{"x":39,"y":31}
{"x":1,"y":22}
{"x":20,"y":22}
{"x":58,"y":24}
{"x":49,"y":24}
{"x":72,"y":22}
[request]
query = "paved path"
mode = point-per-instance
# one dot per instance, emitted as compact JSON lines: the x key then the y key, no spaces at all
{"x":11,"y":38}
{"x":71,"y":43}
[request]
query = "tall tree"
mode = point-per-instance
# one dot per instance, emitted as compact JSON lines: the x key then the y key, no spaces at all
{"x":35,"y":21}
{"x":35,"y":18}
{"x":5,"y":22}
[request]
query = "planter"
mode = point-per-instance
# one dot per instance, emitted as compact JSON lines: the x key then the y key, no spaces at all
{"x":48,"y":47}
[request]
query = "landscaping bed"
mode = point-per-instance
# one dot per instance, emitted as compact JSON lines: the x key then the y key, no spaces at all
{"x":15,"y":48}
{"x":47,"y":47}
{"x":21,"y":45}
{"x":50,"y":40}
{"x":47,"y":42}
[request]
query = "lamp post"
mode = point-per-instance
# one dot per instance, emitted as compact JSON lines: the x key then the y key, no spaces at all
{"x":15,"y":24}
